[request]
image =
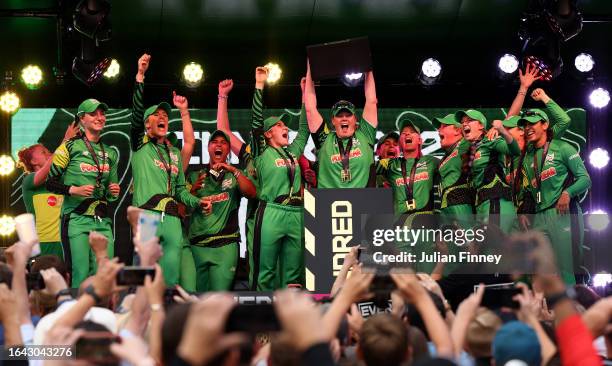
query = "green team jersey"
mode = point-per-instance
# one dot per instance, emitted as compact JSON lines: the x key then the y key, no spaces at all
{"x":220,"y":226}
{"x":422,"y":189}
{"x":73,"y":165}
{"x":562,"y":169}
{"x":45,"y":206}
{"x":486,"y":151}
{"x":150,"y":162}
{"x":361,"y":157}
{"x":450,"y":168}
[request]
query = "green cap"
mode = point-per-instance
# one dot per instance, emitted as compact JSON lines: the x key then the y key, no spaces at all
{"x":271,"y":121}
{"x":532,"y":116}
{"x":390,"y":134}
{"x":449,"y":119}
{"x":90,"y":105}
{"x":405,"y":121}
{"x":341,"y":106}
{"x":218,"y":133}
{"x":163,"y":105}
{"x":511,"y":122}
{"x":473,"y":114}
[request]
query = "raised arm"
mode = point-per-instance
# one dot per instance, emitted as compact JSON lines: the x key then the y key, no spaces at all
{"x":225,"y":87}
{"x":531,"y":74}
{"x":261,"y":76}
{"x":315,"y":120}
{"x":560,"y":120}
{"x":182,"y":104}
{"x":299,"y":143}
{"x":370,"y":109}
{"x":137,"y":124}
{"x":508,"y":146}
{"x":41,"y":175}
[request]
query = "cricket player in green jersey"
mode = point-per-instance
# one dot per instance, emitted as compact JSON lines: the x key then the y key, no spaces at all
{"x":345,"y":156}
{"x":214,"y":237}
{"x":84,"y":170}
{"x":386,"y":148}
{"x":456,"y":194}
{"x":487,"y":161}
{"x":411,"y":177}
{"x":157,"y":169}
{"x":557,"y":179}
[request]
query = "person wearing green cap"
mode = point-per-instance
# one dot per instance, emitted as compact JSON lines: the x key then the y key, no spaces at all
{"x":557,"y":178}
{"x":157,"y":169}
{"x":345,"y":156}
{"x":412,"y":179}
{"x":84,"y":170}
{"x":214,"y":237}
{"x":386,"y":148}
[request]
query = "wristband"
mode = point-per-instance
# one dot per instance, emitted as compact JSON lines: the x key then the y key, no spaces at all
{"x":64,"y":292}
{"x":222,"y":96}
{"x":89,"y":290}
{"x":156,"y":307}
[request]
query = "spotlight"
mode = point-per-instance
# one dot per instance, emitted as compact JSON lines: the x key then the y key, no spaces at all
{"x":7,"y":225}
{"x":193,"y":74}
{"x":602,"y":279}
{"x":508,"y":63}
{"x":31,"y":76}
{"x":90,"y":73}
{"x":584,"y":62}
{"x":113,"y":70}
{"x":91,"y":19}
{"x":598,"y":220}
{"x":9,"y":102}
{"x":599,"y":158}
{"x":7,"y":165}
{"x":274,"y":72}
{"x":599,"y":98}
{"x":352,"y":79}
{"x":431,"y":69}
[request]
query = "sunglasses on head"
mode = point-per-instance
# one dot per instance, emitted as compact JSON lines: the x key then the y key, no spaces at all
{"x":531,"y":113}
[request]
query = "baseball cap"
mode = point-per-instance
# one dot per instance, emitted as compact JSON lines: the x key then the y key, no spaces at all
{"x":149,"y":111}
{"x":449,"y":119}
{"x":405,"y":121}
{"x":390,"y":134}
{"x":90,"y":105}
{"x":511,"y":122}
{"x":271,"y":121}
{"x":218,"y":133}
{"x":342,"y":105}
{"x":534,"y":115}
{"x":516,"y":341}
{"x":481,"y":331}
{"x":473,"y":114}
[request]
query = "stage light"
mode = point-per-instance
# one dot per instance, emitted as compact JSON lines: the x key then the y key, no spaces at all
{"x":584,"y":62}
{"x":431,"y":69}
{"x":602,"y":279}
{"x":7,"y":165}
{"x":274,"y":72}
{"x":508,"y":63}
{"x":352,"y":79}
{"x":9,"y":102}
{"x":91,"y":19}
{"x":113,"y":69}
{"x":7,"y":225}
{"x":599,"y":158}
{"x":31,"y":76}
{"x":598,"y":220}
{"x":599,"y":98}
{"x":193,"y":74}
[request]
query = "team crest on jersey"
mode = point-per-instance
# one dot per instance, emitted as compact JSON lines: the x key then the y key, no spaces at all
{"x":417,"y":178}
{"x":161,"y":166}
{"x":477,"y":155}
{"x":226,"y":184}
{"x":448,"y":158}
{"x":337,"y":158}
{"x":88,"y":168}
{"x":99,"y":153}
{"x":421,"y":164}
{"x":219,"y":197}
{"x":174,"y":157}
{"x":547,"y":173}
{"x":549,"y":158}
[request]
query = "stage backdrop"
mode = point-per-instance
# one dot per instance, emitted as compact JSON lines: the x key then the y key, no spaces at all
{"x":47,"y":126}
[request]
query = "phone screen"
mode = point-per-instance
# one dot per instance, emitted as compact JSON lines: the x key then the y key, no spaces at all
{"x":134,"y":276}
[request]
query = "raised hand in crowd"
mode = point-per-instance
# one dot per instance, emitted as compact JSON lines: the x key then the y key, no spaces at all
{"x":99,"y":246}
{"x":54,"y":282}
{"x":531,"y":75}
{"x":225,"y":87}
{"x":465,"y":314}
{"x":261,"y":76}
{"x":10,"y":316}
{"x":539,"y":95}
{"x":143,"y":65}
{"x":350,"y":259}
{"x":149,"y":252}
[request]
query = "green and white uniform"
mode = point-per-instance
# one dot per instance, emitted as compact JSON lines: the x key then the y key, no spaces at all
{"x":46,"y":208}
{"x":73,"y":165}
{"x":360,"y":151}
{"x":561,"y":170}
{"x":456,"y":194}
{"x":159,"y":182}
{"x":214,"y":238}
{"x":277,"y":237}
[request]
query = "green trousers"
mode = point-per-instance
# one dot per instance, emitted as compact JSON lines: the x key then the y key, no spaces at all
{"x":79,"y":257}
{"x":566,"y":234}
{"x":499,"y":212}
{"x":458,"y":216}
{"x":215,"y":267}
{"x":276,"y":255}
{"x":52,"y":248}
{"x":187,"y":278}
{"x":171,"y":240}
{"x":415,"y":221}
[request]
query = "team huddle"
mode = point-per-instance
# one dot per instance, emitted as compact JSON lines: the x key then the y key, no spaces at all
{"x":495,"y":172}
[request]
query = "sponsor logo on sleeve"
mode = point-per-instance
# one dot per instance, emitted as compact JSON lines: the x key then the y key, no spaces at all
{"x":576,"y":155}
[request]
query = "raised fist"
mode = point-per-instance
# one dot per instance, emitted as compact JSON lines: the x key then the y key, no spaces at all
{"x":261,"y":74}
{"x":539,"y":95}
{"x":179,"y":101}
{"x":143,"y":63}
{"x":225,"y":87}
